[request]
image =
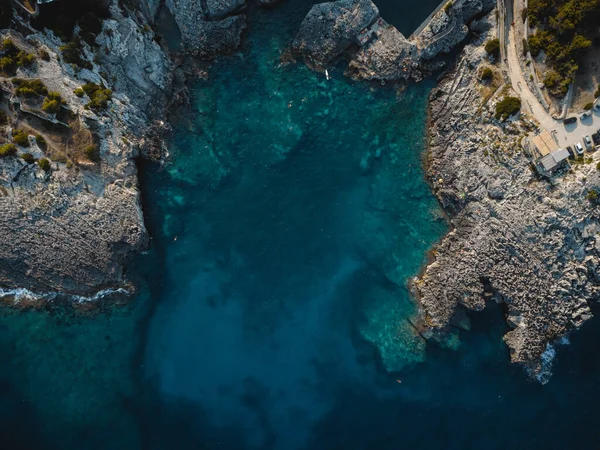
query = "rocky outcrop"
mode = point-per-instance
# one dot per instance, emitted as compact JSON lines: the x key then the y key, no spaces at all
{"x":375,"y":49}
{"x":331,"y":28}
{"x":71,"y":229}
{"x":389,"y":56}
{"x":207,"y":28}
{"x":527,"y":242}
{"x":448,"y":27}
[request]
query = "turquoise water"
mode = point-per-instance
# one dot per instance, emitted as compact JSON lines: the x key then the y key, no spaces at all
{"x":273,"y":312}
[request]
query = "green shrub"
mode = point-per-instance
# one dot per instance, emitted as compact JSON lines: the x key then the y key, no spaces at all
{"x":79,"y":92}
{"x":492,"y":47}
{"x":99,"y":96}
{"x":3,"y":118}
{"x":589,"y":105}
{"x":28,"y":158}
{"x":8,"y":150}
{"x":487,"y":74}
{"x":72,"y":54}
{"x":20,"y":137}
{"x":29,"y":88}
{"x":53,"y":95}
{"x":556,"y":84}
{"x":92,"y":153}
{"x":507,"y":107}
{"x":40,"y":141}
{"x":44,"y":55}
{"x":44,"y":164}
{"x":7,"y":65}
{"x":9,"y":46}
{"x":25,"y":59}
{"x":50,"y":106}
{"x":598,"y":166}
{"x":525,"y":47}
{"x":592,"y":196}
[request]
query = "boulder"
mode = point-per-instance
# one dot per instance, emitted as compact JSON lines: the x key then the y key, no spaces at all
{"x":330,"y":28}
{"x":204,"y":36}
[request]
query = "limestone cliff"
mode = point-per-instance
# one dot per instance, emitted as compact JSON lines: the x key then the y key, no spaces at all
{"x":70,"y":227}
{"x":376,"y":50}
{"x":527,"y":242}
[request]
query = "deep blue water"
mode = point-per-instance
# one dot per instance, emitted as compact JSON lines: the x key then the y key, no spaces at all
{"x":273,"y":312}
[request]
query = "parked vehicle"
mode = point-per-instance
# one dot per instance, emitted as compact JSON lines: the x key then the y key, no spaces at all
{"x":578,"y":149}
{"x":596,"y":139}
{"x":587,"y":140}
{"x":584,"y":115}
{"x":569,"y":120}
{"x":570,"y":150}
{"x":597,"y":106}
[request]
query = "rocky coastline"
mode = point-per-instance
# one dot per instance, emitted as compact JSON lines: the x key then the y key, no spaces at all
{"x":527,"y":242}
{"x":517,"y":239}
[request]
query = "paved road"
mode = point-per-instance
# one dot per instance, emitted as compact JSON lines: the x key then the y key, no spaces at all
{"x":563,"y":134}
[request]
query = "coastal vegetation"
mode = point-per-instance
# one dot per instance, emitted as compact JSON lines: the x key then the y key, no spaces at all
{"x":11,"y":57}
{"x":28,"y":158}
{"x":72,"y":53}
{"x":40,"y":141}
{"x":563,"y":31}
{"x":507,"y":107}
{"x":20,"y":137}
{"x":487,"y":74}
{"x":492,"y":47}
{"x":99,"y":96}
{"x":91,"y":152}
{"x":593,"y":196}
{"x":8,"y":150}
{"x":52,"y":103}
{"x":29,"y":88}
{"x":44,"y":164}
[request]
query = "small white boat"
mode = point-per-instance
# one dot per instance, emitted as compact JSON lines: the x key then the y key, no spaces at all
{"x":327,"y":74}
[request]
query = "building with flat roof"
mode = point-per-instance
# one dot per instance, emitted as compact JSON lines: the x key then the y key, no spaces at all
{"x":554,"y":160}
{"x":543,"y":144}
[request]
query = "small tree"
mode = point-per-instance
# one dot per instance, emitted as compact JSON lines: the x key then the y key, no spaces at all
{"x":91,"y":152}
{"x":40,"y":141}
{"x":50,"y":106}
{"x":589,"y":105}
{"x":487,"y":74}
{"x":20,"y":138}
{"x":507,"y":107}
{"x":8,"y":150}
{"x":44,"y":164}
{"x":28,"y":158}
{"x":492,"y":47}
{"x":592,"y":196}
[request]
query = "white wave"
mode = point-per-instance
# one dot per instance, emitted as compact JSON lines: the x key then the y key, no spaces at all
{"x":23,"y":295}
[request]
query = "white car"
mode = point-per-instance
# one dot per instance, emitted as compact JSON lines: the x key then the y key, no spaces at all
{"x":587,"y":140}
{"x":578,"y":148}
{"x":585,"y":115}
